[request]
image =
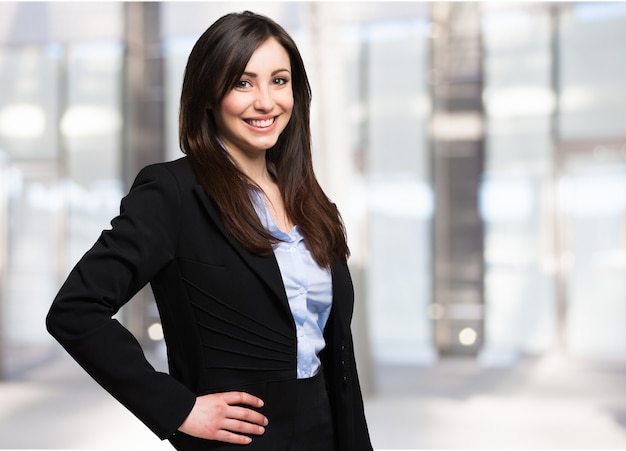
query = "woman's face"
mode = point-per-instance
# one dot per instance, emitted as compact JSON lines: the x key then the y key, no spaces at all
{"x":257,"y":109}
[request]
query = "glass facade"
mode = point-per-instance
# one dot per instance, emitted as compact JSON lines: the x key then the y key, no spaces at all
{"x":592,"y":177}
{"x":520,"y":313}
{"x":553,"y":192}
{"x":591,"y":76}
{"x":399,"y":193}
{"x":60,"y":122}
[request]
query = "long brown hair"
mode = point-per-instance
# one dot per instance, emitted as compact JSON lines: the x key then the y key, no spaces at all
{"x":217,"y":61}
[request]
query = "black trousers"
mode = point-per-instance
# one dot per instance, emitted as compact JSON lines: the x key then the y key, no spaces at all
{"x":314,"y":421}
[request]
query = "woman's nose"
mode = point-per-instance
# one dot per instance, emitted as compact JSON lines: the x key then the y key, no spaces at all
{"x":264,"y":100}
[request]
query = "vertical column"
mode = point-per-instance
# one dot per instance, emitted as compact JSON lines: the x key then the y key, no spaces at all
{"x":4,"y":212}
{"x":457,"y":152}
{"x":144,"y":119}
{"x":143,"y":102}
{"x":558,"y":163}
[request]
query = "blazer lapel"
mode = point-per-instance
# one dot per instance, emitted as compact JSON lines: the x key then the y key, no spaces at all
{"x":265,"y":266}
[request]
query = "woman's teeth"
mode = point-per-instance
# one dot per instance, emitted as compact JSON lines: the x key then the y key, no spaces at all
{"x":260,"y":123}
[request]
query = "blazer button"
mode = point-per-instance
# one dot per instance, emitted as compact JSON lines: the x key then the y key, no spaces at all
{"x":343,"y":364}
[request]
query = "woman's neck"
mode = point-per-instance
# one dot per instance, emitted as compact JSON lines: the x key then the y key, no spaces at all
{"x":257,"y":172}
{"x":253,"y":167}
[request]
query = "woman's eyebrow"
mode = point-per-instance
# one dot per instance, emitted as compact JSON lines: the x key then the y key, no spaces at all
{"x":254,"y":75}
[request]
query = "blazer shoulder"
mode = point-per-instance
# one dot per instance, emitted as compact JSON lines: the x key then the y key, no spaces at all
{"x":180,"y":169}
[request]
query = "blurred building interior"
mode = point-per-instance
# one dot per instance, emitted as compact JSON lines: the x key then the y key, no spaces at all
{"x":477,"y":152}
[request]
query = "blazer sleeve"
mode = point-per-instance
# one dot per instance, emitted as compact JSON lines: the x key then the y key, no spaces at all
{"x":339,"y":364}
{"x":124,"y":259}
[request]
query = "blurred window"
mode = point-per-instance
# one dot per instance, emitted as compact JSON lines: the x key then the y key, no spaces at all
{"x":516,"y":190}
{"x":593,"y":70}
{"x":29,"y":101}
{"x":400,"y":201}
{"x":593,"y":208}
{"x":91,"y":128}
{"x":60,"y":143}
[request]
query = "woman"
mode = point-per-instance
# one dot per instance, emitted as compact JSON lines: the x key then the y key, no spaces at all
{"x":246,"y":257}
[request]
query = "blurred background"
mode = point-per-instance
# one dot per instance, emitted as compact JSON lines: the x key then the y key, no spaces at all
{"x":477,"y":152}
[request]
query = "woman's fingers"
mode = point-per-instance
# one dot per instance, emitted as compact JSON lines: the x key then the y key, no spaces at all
{"x":225,"y":417}
{"x":247,"y":416}
{"x":242,"y":398}
{"x":237,"y":411}
{"x":242,"y":427}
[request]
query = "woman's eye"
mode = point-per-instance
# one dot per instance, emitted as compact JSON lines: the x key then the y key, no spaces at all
{"x":242,"y":84}
{"x":280,"y":81}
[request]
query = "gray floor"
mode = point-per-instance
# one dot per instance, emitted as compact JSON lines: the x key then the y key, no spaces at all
{"x":552,"y":402}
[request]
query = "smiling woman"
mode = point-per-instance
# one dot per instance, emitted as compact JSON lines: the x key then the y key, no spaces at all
{"x":247,"y":259}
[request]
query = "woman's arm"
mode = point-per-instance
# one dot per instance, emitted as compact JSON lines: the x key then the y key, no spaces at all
{"x":123,"y":260}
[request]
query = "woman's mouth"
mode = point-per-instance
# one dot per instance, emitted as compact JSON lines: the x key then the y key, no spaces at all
{"x":260,"y":123}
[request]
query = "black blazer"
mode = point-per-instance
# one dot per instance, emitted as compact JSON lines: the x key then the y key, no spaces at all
{"x":224,"y":311}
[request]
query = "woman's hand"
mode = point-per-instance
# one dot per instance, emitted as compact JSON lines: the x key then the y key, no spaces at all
{"x":224,"y":417}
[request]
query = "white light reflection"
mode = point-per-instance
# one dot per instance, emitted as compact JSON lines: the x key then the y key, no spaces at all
{"x":505,"y":198}
{"x":101,"y":197}
{"x":468,"y":336}
{"x":404,"y":196}
{"x":22,"y":120}
{"x":522,"y":100}
{"x":155,"y":332}
{"x":577,"y":97}
{"x":594,"y":195}
{"x":505,"y":21}
{"x":87,"y":120}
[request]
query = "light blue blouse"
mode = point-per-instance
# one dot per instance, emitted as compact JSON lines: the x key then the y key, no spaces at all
{"x":308,"y":286}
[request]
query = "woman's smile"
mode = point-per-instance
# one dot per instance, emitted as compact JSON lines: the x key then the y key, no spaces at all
{"x":264,"y":124}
